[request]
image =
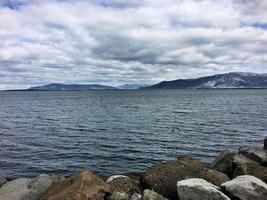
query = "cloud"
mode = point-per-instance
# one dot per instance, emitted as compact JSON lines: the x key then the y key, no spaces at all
{"x":115,"y":41}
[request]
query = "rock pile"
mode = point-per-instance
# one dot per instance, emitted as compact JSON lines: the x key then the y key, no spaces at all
{"x":233,"y":175}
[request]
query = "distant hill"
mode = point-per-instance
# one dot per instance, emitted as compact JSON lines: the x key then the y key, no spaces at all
{"x":131,"y":86}
{"x":75,"y":87}
{"x":228,"y":80}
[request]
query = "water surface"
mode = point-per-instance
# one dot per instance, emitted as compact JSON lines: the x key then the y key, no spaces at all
{"x":111,"y":132}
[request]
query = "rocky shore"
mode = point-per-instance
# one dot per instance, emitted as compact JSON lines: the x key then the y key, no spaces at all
{"x":233,"y":175}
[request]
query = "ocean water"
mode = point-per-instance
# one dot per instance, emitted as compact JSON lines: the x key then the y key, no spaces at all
{"x":111,"y":132}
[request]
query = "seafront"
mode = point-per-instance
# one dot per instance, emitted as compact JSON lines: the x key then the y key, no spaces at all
{"x":240,"y":174}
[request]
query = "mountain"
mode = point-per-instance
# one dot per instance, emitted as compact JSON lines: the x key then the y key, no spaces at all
{"x":75,"y":87}
{"x":131,"y":86}
{"x":228,"y":80}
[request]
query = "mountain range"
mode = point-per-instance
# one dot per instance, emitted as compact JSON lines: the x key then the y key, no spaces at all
{"x":227,"y":80}
{"x":56,"y":86}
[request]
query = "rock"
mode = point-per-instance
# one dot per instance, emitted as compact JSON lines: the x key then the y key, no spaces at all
{"x":83,"y":185}
{"x":162,"y":177}
{"x":123,"y":187}
{"x":246,"y":188}
{"x":251,"y":169}
{"x":195,"y":189}
{"x":241,"y":159}
{"x":3,"y":180}
{"x":224,"y":162}
{"x":151,"y":195}
{"x":56,"y":178}
{"x":15,"y":190}
{"x":255,"y":153}
{"x":265,"y":144}
{"x":25,"y":189}
{"x":134,"y":175}
{"x":118,"y":196}
{"x":112,"y":178}
{"x":191,"y":161}
{"x":214,"y":176}
{"x":136,"y":197}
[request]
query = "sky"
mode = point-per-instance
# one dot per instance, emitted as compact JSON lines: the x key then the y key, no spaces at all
{"x":116,"y":42}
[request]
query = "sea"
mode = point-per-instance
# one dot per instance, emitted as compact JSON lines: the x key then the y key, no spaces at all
{"x":116,"y":131}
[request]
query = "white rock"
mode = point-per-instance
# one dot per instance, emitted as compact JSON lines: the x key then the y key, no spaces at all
{"x":246,"y":188}
{"x":110,"y":179}
{"x":25,"y":189}
{"x":196,"y":189}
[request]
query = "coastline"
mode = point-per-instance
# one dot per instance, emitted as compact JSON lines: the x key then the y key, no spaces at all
{"x":227,"y":177}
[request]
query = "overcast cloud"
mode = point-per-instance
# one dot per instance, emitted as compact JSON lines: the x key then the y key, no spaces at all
{"x":117,"y":41}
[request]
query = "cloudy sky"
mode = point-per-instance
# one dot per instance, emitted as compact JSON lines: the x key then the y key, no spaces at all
{"x":128,"y":41}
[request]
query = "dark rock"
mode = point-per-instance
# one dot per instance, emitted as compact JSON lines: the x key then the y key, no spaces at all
{"x":83,"y":185}
{"x":255,"y":153}
{"x":134,"y":175}
{"x":162,"y":177}
{"x":251,"y":169}
{"x":245,"y":188}
{"x":224,"y":162}
{"x":265,"y":144}
{"x":123,"y":186}
{"x":214,"y":176}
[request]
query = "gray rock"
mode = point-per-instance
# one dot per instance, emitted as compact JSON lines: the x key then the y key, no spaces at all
{"x":3,"y":180}
{"x":195,"y":189}
{"x":242,"y":159}
{"x":255,"y":153}
{"x":246,"y":188}
{"x":151,"y":195}
{"x":25,"y":189}
{"x":224,"y":162}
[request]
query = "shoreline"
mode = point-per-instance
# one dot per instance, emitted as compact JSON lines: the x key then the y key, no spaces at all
{"x":172,"y":179}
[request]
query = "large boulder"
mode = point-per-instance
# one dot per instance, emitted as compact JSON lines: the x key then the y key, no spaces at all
{"x":25,"y":189}
{"x":83,"y":185}
{"x":246,"y":188}
{"x":195,"y":189}
{"x":251,"y":169}
{"x":152,"y":195}
{"x":256,"y":154}
{"x":124,"y":188}
{"x":224,"y":162}
{"x":162,"y":177}
{"x":3,"y":180}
